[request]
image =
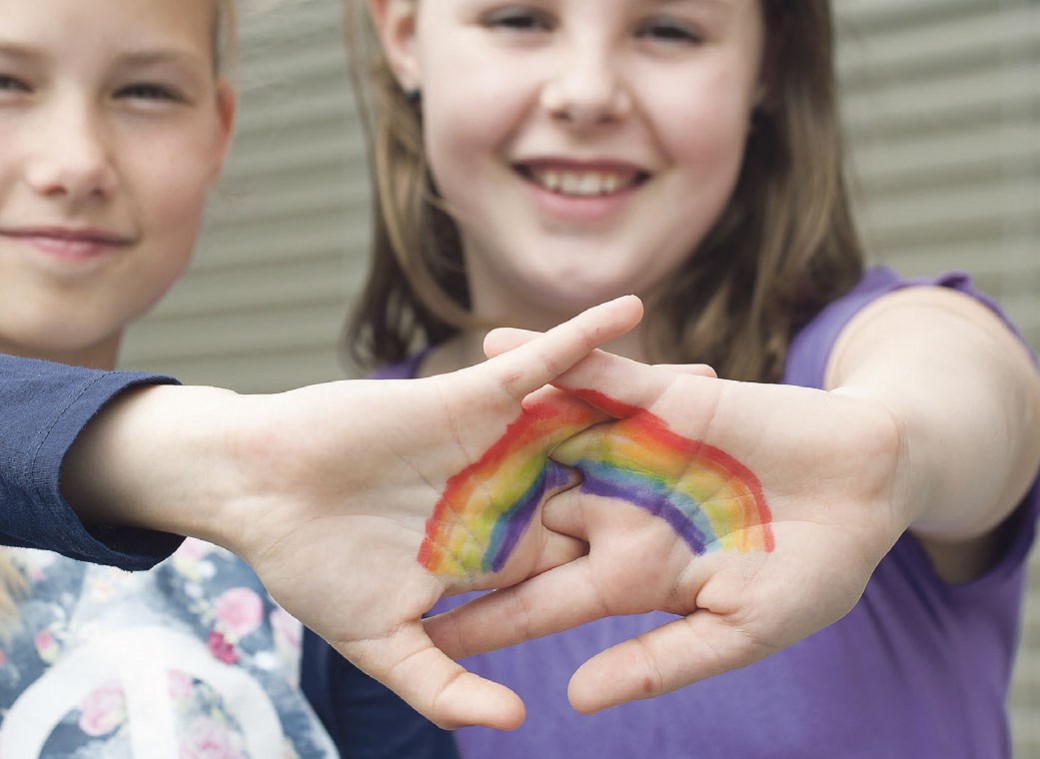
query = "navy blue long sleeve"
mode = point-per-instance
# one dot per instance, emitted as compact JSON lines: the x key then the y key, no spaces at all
{"x":45,"y":408}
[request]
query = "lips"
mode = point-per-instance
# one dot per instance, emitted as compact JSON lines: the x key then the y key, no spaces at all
{"x":68,"y":236}
{"x":68,"y":244}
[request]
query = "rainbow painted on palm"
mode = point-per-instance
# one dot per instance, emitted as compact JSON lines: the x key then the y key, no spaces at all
{"x":487,"y":507}
{"x":710,"y":499}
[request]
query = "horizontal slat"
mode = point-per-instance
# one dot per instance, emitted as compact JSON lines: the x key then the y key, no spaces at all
{"x":260,"y":329}
{"x":986,"y":35}
{"x":969,"y":96}
{"x":1007,"y":257}
{"x":264,"y":24}
{"x":262,"y":158}
{"x":880,"y":164}
{"x":959,"y":207}
{"x":882,"y":16}
{"x":288,"y":204}
{"x":261,"y":373}
{"x":273,"y":241}
{"x":277,"y":284}
{"x":309,"y":108}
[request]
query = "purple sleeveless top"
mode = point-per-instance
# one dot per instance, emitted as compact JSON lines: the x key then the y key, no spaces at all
{"x":919,"y":668}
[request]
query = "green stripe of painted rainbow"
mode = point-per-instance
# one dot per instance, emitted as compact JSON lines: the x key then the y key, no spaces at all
{"x":709,"y":498}
{"x":486,"y":508}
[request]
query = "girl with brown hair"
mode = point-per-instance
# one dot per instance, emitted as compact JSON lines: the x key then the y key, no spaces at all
{"x":532,"y":158}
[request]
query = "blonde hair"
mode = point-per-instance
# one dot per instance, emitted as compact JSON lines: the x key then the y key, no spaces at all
{"x":13,"y":583}
{"x":784,"y":247}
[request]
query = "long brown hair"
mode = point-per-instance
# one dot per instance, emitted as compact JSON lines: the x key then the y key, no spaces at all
{"x":784,"y":247}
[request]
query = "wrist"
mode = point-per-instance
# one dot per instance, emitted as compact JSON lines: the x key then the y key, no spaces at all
{"x":886,"y":438}
{"x":154,"y":458}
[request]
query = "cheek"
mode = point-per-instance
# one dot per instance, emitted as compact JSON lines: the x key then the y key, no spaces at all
{"x":703,"y":118}
{"x":171,"y":192}
{"x":457,"y":127}
{"x":471,"y":110}
{"x":171,"y":201}
{"x":708,"y":130}
{"x":458,"y":144}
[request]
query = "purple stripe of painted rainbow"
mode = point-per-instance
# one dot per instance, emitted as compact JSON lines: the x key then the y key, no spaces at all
{"x":487,"y":507}
{"x":710,"y":499}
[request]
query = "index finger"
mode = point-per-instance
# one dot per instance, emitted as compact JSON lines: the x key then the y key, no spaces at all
{"x":541,"y":360}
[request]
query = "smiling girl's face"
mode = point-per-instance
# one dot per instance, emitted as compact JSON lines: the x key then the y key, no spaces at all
{"x":114,"y":124}
{"x":585,"y":147}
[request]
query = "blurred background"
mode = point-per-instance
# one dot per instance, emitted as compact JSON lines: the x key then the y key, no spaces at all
{"x":942,"y":107}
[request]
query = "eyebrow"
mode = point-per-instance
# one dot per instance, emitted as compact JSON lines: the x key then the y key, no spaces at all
{"x":133,"y":57}
{"x":158,"y":56}
{"x":14,"y":50}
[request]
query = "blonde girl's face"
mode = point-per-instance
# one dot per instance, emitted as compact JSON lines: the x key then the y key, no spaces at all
{"x":584,"y":146}
{"x":113,"y":125}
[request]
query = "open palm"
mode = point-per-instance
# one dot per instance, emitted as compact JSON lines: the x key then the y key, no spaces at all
{"x":754,"y":512}
{"x":334,"y":532}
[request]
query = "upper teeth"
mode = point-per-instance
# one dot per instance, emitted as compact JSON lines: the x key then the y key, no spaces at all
{"x":582,"y":183}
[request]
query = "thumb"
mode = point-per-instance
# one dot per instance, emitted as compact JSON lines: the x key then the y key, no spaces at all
{"x":440,"y":689}
{"x":662,"y":660}
{"x":539,"y":359}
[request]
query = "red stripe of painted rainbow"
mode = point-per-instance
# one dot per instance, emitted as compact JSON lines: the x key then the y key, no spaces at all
{"x":486,"y":508}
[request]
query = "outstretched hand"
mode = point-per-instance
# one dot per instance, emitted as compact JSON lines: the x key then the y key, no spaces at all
{"x":360,"y":504}
{"x":449,"y":469}
{"x":756,"y":513}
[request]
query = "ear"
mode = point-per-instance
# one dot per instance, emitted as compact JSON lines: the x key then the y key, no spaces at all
{"x":227,"y":108}
{"x":395,"y":21}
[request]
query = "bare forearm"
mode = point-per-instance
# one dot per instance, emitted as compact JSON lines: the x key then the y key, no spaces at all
{"x":966,"y":398}
{"x":153,"y":459}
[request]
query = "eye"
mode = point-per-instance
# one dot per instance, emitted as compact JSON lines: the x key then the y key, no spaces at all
{"x":666,"y":30}
{"x":518,"y":20}
{"x":149,"y":91}
{"x":11,"y":84}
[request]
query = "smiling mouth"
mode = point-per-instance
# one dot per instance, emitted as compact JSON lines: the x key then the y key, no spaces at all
{"x":582,"y":183}
{"x":67,"y":237}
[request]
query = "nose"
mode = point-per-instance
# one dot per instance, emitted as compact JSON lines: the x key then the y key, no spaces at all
{"x":587,"y":90}
{"x":72,"y":156}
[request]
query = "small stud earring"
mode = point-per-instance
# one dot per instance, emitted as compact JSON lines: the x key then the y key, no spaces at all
{"x":413,"y":95}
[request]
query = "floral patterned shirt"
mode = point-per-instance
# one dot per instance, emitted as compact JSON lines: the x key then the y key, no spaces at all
{"x":189,"y":660}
